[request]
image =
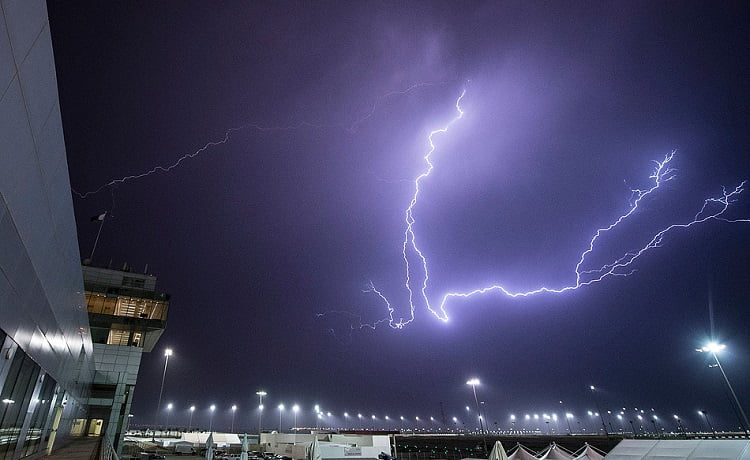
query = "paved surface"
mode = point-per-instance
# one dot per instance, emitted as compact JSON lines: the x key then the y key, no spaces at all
{"x":79,"y":449}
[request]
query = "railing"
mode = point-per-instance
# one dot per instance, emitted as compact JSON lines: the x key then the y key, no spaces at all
{"x":104,"y":449}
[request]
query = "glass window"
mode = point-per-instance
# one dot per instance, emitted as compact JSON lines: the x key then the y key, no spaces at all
{"x":42,"y":405}
{"x":16,"y":396}
{"x":109,"y":305}
{"x":99,"y":334}
{"x":118,"y":337}
{"x":95,"y":302}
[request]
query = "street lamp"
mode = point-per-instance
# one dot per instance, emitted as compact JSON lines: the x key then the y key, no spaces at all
{"x":234,"y":409}
{"x":167,"y":354}
{"x":474,"y":382}
{"x":714,"y":348}
{"x":359,"y":416}
{"x":705,"y":415}
{"x":569,"y":416}
{"x":281,"y":412}
{"x":567,"y":419}
{"x":190,"y":424}
{"x":211,"y":418}
{"x":169,"y":411}
{"x":679,"y":424}
{"x":596,"y":401}
{"x":260,"y":394}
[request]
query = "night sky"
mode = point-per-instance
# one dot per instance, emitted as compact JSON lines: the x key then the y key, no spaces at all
{"x":567,"y":106}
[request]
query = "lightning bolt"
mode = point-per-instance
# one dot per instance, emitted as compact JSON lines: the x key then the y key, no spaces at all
{"x":349,"y":127}
{"x":417,"y":280}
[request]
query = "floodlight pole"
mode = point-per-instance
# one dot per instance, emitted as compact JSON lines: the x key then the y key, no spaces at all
{"x":474,"y":383}
{"x":731,"y":390}
{"x":167,"y":354}
{"x":601,"y":415}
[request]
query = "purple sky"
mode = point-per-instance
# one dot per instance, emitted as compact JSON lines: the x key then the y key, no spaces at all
{"x":567,"y":104}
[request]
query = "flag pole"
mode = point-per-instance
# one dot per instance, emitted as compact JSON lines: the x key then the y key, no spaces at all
{"x":96,"y":241}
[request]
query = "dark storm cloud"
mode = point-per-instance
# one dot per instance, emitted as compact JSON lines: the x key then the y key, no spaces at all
{"x":567,"y":104}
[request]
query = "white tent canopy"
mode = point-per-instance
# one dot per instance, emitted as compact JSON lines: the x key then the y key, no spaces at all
{"x":689,"y":449}
{"x":498,"y":452}
{"x":588,"y":453}
{"x":555,"y":452}
{"x":522,"y":453}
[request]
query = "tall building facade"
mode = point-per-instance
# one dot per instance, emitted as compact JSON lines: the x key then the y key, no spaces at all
{"x":47,"y":356}
{"x":126,"y":316}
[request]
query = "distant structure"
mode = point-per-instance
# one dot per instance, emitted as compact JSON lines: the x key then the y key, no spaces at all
{"x":126,"y":317}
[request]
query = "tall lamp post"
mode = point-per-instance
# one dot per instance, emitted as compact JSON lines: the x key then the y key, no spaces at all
{"x":234,"y":409}
{"x":295,"y":409}
{"x":714,"y":348}
{"x":190,"y":423}
{"x":281,"y":413}
{"x":211,"y":418}
{"x":169,"y":412}
{"x":679,"y":425}
{"x":260,"y":394}
{"x":596,"y":401}
{"x":705,"y":415}
{"x":474,"y":382}
{"x":567,"y":416}
{"x":167,"y":354}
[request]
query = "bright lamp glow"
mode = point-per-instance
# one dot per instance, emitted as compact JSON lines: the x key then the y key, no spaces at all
{"x":168,"y":352}
{"x":472,"y":382}
{"x":713,"y":347}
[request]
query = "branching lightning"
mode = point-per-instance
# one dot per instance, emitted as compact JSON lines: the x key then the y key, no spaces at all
{"x":417,"y":279}
{"x":350,"y":127}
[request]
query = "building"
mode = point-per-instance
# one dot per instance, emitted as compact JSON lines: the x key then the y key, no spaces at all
{"x":126,"y":316}
{"x":59,"y":378}
{"x":46,"y":361}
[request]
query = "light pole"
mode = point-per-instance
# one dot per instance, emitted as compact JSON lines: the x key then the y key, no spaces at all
{"x":474,"y":382}
{"x":190,"y":424}
{"x":679,"y":424}
{"x":234,"y":409}
{"x":211,"y":417}
{"x":714,"y":348}
{"x":281,"y":412}
{"x":567,"y":419}
{"x":167,"y":354}
{"x":596,"y":401}
{"x":295,"y":409}
{"x":169,"y":412}
{"x":705,"y":415}
{"x":260,"y":394}
{"x":569,"y":416}
{"x":359,"y":416}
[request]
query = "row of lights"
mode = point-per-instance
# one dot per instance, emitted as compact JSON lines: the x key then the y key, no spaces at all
{"x":711,"y":347}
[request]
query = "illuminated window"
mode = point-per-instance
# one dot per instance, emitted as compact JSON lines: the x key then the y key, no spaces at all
{"x":118,"y":337}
